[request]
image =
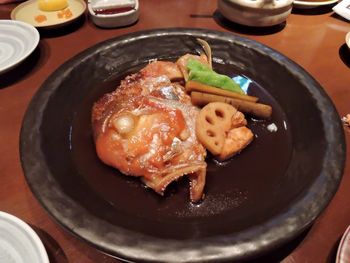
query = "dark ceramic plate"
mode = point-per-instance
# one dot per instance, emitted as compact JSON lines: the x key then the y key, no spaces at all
{"x":254,"y":203}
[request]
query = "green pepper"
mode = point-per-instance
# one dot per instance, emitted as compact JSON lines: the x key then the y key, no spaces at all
{"x":202,"y":73}
{"x":193,"y":64}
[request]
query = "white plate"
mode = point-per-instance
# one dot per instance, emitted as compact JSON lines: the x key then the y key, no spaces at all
{"x":17,"y":41}
{"x":18,"y":242}
{"x":309,"y":4}
{"x":29,"y":10}
{"x":343,"y":9}
{"x":343,"y":254}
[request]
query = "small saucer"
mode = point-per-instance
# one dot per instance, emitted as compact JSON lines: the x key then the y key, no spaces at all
{"x":29,"y":10}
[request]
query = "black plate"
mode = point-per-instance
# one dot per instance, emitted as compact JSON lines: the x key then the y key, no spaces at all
{"x":257,"y":201}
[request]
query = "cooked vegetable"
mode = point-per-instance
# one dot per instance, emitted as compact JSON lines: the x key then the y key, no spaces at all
{"x":207,"y":50}
{"x":203,"y":74}
{"x":256,"y":109}
{"x":196,"y":65}
{"x":197,"y":86}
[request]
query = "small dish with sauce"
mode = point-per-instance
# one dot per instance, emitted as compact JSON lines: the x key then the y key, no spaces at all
{"x":113,"y":13}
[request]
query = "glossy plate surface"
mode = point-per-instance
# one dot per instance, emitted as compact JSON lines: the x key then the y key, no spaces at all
{"x":17,"y":41}
{"x":29,"y":10}
{"x":257,"y":201}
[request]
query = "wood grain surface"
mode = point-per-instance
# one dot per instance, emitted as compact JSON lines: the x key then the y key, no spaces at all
{"x":314,"y":38}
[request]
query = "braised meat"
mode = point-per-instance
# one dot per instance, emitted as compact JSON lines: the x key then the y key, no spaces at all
{"x":146,"y":128}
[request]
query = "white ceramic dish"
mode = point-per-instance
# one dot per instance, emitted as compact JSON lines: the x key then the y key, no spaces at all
{"x":308,"y":4}
{"x":17,"y":41}
{"x":347,"y":39}
{"x":27,"y":11}
{"x":18,"y":242}
{"x":343,"y":254}
{"x":258,"y":13}
{"x":113,"y":20}
{"x":343,"y":9}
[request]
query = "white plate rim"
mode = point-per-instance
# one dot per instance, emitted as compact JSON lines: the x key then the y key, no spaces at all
{"x":35,"y":41}
{"x":313,"y":4}
{"x":27,"y":229}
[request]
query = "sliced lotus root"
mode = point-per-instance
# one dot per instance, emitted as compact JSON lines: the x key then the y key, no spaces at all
{"x":213,"y":121}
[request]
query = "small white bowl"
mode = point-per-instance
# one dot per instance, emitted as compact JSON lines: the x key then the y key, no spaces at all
{"x":113,"y":20}
{"x":257,"y":13}
{"x":18,"y":242}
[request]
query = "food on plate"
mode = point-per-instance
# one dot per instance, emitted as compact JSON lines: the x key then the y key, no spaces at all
{"x":207,"y":51}
{"x":346,"y":120}
{"x":222,"y":130}
{"x":256,"y":109}
{"x":146,"y":128}
{"x":103,"y":7}
{"x":200,"y":87}
{"x":202,"y":73}
{"x":151,"y":126}
{"x":52,"y":5}
{"x":183,"y":61}
{"x":40,"y":18}
{"x":65,"y":13}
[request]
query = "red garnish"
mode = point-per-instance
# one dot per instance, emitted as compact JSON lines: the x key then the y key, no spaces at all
{"x":40,"y":18}
{"x":112,"y":11}
{"x":65,"y":13}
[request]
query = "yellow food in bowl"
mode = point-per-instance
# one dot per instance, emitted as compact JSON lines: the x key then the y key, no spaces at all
{"x":52,"y":5}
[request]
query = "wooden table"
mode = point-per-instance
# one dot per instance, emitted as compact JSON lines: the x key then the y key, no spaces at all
{"x":312,"y":38}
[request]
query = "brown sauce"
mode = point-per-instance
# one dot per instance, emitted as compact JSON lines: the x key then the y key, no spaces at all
{"x":233,"y":188}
